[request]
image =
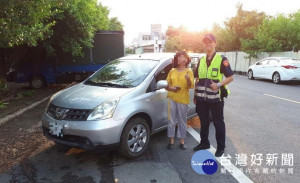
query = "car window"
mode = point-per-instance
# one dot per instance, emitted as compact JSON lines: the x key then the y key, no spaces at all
{"x":273,"y":62}
{"x":194,"y":63}
{"x":263,"y":62}
{"x":163,"y":73}
{"x":122,"y":73}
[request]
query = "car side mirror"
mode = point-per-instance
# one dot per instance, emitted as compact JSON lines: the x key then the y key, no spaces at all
{"x":161,"y":84}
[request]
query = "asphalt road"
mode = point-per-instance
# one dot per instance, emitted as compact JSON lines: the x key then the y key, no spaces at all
{"x":264,"y":118}
{"x":257,"y":122}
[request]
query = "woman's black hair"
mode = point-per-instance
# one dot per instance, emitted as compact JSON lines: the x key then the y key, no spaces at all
{"x":179,"y":53}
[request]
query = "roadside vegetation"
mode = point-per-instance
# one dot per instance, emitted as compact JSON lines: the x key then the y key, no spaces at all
{"x":51,"y":27}
{"x":249,"y":31}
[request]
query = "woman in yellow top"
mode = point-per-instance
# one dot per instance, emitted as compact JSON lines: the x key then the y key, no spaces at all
{"x":180,"y":80}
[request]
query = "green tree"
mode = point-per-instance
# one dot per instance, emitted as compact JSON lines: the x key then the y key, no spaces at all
{"x":129,"y":50}
{"x":173,"y":32}
{"x":224,"y":38}
{"x":172,"y":44}
{"x":242,"y":26}
{"x":76,"y":24}
{"x":181,"y":39}
{"x":25,"y":22}
{"x":115,"y":24}
{"x":281,"y":33}
{"x":64,"y":25}
{"x":51,"y":26}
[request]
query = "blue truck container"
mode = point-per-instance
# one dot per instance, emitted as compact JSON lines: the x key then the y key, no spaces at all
{"x":39,"y":70}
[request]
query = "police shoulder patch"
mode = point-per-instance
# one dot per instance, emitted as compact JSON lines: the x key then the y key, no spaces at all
{"x":226,"y":63}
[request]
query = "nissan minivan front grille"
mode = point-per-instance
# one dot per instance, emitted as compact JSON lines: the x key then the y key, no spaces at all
{"x":60,"y":113}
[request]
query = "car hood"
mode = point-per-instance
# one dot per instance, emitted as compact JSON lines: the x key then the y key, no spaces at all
{"x":83,"y":96}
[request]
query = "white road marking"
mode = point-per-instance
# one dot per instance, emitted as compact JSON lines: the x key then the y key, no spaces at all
{"x":282,"y":98}
{"x":233,"y":170}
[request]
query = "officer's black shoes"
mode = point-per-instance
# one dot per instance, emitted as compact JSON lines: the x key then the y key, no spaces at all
{"x":219,"y":152}
{"x":170,"y":146}
{"x":201,"y":147}
{"x":182,"y":146}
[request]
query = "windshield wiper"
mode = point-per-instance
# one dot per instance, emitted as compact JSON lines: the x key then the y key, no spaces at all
{"x":113,"y":85}
{"x":107,"y":84}
{"x":90,"y":82}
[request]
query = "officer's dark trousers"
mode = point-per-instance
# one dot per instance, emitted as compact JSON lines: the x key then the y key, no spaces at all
{"x":202,"y":108}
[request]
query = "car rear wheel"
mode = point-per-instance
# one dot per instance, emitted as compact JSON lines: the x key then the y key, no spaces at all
{"x":37,"y":82}
{"x":250,"y":74}
{"x":135,"y":138}
{"x":276,"y":78}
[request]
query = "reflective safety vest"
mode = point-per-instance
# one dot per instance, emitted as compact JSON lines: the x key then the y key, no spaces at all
{"x":207,"y":75}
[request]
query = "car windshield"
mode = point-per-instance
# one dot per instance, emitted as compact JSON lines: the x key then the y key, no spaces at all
{"x":122,"y":73}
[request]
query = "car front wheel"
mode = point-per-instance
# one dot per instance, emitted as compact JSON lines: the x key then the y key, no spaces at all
{"x":250,"y":74}
{"x":135,"y":138}
{"x":276,"y":78}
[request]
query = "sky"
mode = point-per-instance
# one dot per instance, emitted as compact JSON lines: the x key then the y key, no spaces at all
{"x":195,"y":15}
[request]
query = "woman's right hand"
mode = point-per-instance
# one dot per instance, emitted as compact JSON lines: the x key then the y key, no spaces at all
{"x":173,"y":88}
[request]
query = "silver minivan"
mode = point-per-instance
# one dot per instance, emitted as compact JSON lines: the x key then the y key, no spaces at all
{"x":120,"y":105}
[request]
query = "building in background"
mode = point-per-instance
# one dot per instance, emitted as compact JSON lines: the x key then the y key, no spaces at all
{"x":153,"y":42}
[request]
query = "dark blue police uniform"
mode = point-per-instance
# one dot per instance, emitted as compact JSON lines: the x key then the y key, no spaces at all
{"x":216,"y":109}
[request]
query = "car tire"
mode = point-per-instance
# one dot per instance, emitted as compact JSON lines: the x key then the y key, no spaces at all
{"x":37,"y":82}
{"x":250,"y":74}
{"x":276,"y":78}
{"x":135,"y":138}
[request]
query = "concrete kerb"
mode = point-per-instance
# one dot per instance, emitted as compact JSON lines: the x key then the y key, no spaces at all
{"x":21,"y":111}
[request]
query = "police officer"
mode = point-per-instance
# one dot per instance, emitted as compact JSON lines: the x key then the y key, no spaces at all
{"x":210,"y":72}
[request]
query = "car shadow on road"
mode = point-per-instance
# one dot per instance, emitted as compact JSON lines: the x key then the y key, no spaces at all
{"x":58,"y":163}
{"x":62,"y":164}
{"x":286,"y":83}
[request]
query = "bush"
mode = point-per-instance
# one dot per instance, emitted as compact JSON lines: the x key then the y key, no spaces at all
{"x":3,"y":83}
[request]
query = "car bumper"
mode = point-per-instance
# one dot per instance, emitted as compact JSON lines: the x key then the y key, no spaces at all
{"x":85,"y":134}
{"x":290,"y":77}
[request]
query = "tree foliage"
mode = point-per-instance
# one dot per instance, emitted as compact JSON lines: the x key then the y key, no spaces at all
{"x":75,"y":25}
{"x":25,"y":22}
{"x":56,"y":25}
{"x":115,"y":24}
{"x":281,"y":33}
{"x":249,"y":31}
{"x":236,"y":29}
{"x":180,"y":39}
{"x":242,"y":26}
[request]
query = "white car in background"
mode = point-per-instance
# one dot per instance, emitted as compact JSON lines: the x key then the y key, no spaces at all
{"x":276,"y":69}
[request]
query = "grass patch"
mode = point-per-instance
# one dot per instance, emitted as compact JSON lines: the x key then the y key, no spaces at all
{"x":28,"y":93}
{"x":3,"y":83}
{"x":3,"y":104}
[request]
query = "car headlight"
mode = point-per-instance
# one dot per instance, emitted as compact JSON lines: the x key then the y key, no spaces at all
{"x":105,"y":110}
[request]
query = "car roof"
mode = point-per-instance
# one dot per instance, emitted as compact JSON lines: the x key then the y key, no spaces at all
{"x":149,"y":56}
{"x":278,"y":58}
